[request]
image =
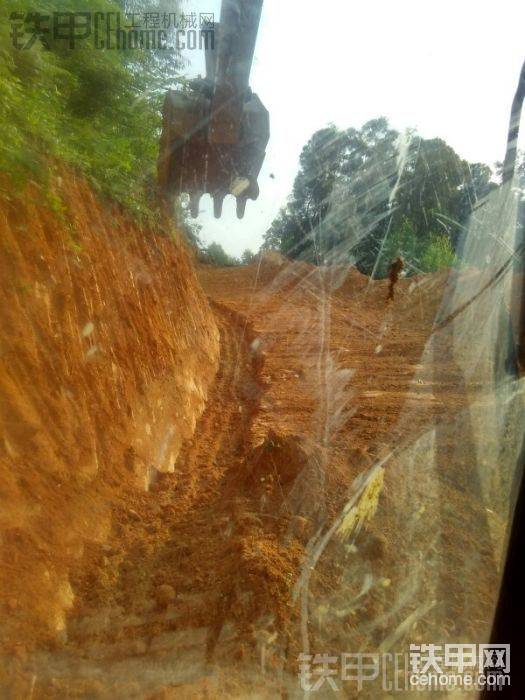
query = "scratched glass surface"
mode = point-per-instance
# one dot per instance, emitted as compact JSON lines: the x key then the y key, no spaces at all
{"x":276,"y":455}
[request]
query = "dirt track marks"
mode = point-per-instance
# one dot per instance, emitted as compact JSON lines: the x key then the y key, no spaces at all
{"x":221,"y":436}
{"x":183,"y":534}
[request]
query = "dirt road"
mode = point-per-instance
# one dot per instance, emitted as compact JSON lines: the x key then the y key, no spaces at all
{"x":213,"y":581}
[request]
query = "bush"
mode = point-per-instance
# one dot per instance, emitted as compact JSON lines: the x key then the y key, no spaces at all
{"x":218,"y":256}
{"x":437,"y":254}
{"x":247,"y":257}
{"x":96,"y":109}
{"x":431,"y":253}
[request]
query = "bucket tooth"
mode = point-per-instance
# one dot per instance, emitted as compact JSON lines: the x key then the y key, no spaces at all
{"x":241,"y":206}
{"x":195,"y":198}
{"x":215,"y":131}
{"x":218,"y":200}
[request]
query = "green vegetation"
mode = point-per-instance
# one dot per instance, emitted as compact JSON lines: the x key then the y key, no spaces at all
{"x":95,"y":109}
{"x":365,"y":196}
{"x":247,"y":257}
{"x":438,"y":253}
{"x":218,"y":256}
{"x":422,"y":254}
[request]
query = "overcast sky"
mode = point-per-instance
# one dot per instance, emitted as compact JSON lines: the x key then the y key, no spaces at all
{"x":448,"y":68}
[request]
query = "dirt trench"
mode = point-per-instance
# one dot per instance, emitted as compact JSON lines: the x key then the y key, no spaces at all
{"x":188,"y":574}
{"x":193,"y":594}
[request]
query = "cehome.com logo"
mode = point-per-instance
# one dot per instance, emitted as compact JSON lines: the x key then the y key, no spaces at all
{"x":439,"y":667}
{"x":114,"y":30}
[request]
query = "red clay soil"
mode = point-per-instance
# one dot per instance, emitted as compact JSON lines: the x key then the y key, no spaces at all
{"x":214,"y":580}
{"x":108,"y":346}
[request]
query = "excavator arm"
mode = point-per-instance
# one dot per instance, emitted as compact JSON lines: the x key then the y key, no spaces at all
{"x":214,"y":134}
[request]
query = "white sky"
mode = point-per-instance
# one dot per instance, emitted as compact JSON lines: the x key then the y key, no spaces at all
{"x":448,"y":68}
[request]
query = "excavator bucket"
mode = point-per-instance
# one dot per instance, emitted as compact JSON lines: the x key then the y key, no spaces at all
{"x":215,"y":132}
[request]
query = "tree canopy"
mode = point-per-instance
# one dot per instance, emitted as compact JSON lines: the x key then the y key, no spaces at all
{"x":366,"y":195}
{"x":247,"y":257}
{"x":218,"y":256}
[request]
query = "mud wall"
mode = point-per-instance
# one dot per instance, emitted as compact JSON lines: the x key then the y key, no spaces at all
{"x":107,"y":349}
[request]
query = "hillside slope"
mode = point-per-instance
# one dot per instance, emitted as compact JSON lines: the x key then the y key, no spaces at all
{"x":346,"y":488}
{"x":108,"y":348}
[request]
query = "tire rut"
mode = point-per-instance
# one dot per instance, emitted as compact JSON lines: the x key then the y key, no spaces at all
{"x":177,"y":537}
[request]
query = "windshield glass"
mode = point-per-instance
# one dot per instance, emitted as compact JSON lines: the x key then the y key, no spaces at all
{"x":261,"y":389}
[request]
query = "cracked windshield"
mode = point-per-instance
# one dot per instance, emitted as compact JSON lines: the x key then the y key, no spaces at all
{"x":261,"y":347}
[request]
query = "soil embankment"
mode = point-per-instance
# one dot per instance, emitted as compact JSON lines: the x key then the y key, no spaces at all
{"x":108,"y":347}
{"x":329,"y":499}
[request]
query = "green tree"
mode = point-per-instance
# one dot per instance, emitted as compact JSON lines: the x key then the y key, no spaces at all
{"x":361,"y":193}
{"x":400,"y":241}
{"x":247,"y":257}
{"x":295,"y":230}
{"x":437,"y":254}
{"x":420,"y":254}
{"x":219,"y":256}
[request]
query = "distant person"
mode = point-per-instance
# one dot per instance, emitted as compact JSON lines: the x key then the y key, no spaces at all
{"x":393,"y":274}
